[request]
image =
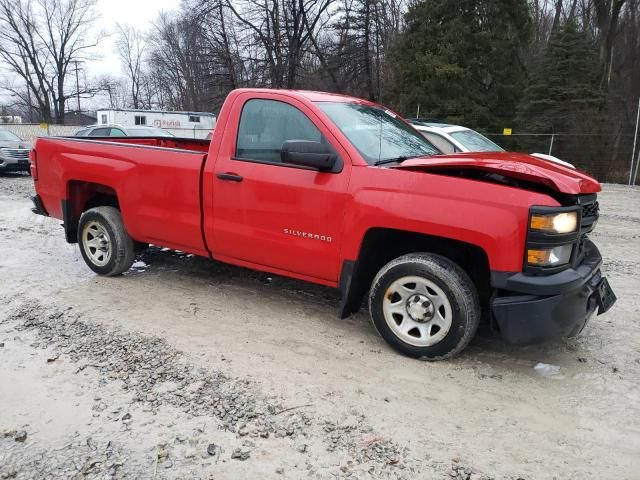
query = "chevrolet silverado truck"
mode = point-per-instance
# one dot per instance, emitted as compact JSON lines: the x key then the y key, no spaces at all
{"x":342,"y":192}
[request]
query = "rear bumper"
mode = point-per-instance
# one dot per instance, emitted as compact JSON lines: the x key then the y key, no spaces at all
{"x":532,"y":309}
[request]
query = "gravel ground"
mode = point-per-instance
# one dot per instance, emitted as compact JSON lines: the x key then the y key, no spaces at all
{"x":186,"y":368}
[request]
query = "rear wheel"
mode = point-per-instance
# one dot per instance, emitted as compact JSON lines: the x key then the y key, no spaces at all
{"x":104,"y":243}
{"x":424,"y":306}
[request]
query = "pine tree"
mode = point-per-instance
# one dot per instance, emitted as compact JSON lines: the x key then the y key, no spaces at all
{"x":461,"y":60}
{"x":564,"y":88}
{"x":565,"y":97}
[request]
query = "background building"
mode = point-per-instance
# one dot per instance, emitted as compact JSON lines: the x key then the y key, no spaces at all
{"x":176,"y":122}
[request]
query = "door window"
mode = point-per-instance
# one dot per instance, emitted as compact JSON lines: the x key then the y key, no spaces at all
{"x":266,"y":124}
{"x":116,"y":132}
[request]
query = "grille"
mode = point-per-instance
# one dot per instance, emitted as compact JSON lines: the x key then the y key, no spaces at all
{"x":590,"y":213}
{"x":17,"y":153}
{"x":590,"y":210}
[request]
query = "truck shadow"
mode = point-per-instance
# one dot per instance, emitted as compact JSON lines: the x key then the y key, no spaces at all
{"x":487,"y":346}
{"x":202,"y":268}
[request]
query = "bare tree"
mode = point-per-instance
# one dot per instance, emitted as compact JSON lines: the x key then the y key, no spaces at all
{"x":607,"y":14}
{"x":39,"y":40}
{"x":364,"y":32}
{"x":221,"y":55}
{"x":214,"y":46}
{"x":177,"y":62}
{"x":115,"y":89}
{"x":282,"y":30}
{"x":130,"y":45}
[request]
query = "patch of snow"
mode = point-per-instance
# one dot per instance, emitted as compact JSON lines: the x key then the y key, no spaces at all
{"x":546,"y":369}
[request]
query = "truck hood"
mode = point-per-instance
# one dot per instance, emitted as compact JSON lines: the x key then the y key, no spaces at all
{"x":512,"y":165}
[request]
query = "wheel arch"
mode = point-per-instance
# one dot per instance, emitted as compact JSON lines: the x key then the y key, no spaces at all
{"x":80,"y":197}
{"x":381,"y":245}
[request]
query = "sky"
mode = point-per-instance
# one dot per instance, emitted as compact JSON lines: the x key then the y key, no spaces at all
{"x":139,"y":13}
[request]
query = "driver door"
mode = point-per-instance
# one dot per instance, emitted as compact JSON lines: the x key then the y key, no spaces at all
{"x":271,"y":214}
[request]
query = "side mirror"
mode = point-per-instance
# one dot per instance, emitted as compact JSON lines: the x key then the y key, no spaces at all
{"x":309,"y":154}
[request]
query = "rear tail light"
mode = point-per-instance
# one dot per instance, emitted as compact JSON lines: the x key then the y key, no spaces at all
{"x":33,"y":156}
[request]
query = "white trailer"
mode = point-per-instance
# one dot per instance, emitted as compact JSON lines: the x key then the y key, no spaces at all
{"x":179,"y":123}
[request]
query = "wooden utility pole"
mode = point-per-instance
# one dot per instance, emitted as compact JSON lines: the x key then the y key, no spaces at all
{"x":77,"y":85}
{"x":632,"y":175}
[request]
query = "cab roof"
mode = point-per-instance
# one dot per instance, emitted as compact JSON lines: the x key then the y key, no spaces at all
{"x":310,"y":95}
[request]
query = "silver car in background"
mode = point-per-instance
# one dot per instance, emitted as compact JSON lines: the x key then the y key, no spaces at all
{"x":14,"y":152}
{"x":454,"y":138}
{"x":115,"y":130}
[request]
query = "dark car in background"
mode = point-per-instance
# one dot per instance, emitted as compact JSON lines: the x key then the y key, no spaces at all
{"x":114,"y":130}
{"x":14,"y":152}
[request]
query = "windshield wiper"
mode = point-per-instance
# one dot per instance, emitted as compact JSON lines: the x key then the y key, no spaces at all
{"x":391,"y":160}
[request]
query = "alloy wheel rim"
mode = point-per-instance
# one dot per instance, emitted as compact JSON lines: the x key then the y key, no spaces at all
{"x":417,"y":311}
{"x":97,"y":243}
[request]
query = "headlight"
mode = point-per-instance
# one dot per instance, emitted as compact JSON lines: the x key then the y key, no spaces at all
{"x":551,"y":236}
{"x":558,"y":223}
{"x":549,"y":257}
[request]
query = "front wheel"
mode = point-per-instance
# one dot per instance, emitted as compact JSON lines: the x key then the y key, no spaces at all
{"x":104,"y":243}
{"x":424,"y":306}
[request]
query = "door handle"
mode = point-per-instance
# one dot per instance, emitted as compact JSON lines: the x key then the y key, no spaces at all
{"x":232,"y":177}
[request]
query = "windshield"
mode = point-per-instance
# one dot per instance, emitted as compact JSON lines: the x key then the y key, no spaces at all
{"x":475,"y":142}
{"x":378,"y":134}
{"x":148,"y":132}
{"x":7,"y":136}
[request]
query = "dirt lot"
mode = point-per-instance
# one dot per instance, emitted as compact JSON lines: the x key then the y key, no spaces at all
{"x":185,"y":368}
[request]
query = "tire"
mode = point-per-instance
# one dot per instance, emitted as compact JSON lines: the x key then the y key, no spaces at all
{"x":424,"y":306}
{"x":101,"y":231}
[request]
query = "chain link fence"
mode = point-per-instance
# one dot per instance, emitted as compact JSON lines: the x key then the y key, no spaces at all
{"x":30,"y":131}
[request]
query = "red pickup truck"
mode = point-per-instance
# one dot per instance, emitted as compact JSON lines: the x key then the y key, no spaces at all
{"x":342,"y":192}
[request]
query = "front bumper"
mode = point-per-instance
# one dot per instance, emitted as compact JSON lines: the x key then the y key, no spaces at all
{"x":531,"y":309}
{"x":12,"y":165}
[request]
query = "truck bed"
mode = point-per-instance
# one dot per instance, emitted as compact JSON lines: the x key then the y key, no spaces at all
{"x":194,"y":144}
{"x":157,"y":181}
